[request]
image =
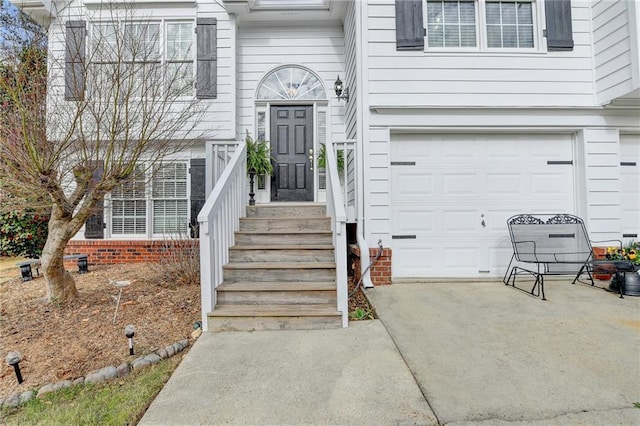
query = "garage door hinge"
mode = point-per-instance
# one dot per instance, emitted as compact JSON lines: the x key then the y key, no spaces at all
{"x":558,"y":162}
{"x":403,"y":163}
{"x":628,"y":163}
{"x":403,"y":237}
{"x":629,"y":235}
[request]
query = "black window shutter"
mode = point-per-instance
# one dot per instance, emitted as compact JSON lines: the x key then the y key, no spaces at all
{"x":409,"y":25}
{"x":74,"y":76}
{"x":198,"y":196}
{"x":559,"y":29}
{"x":207,"y":58}
{"x":94,"y":226}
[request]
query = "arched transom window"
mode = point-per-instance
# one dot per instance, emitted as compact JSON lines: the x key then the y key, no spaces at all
{"x":291,"y":83}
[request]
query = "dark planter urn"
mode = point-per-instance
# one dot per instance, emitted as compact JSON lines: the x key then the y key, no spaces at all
{"x":631,"y":283}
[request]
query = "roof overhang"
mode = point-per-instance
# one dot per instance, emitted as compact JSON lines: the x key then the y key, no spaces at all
{"x":287,"y":10}
{"x":40,"y":11}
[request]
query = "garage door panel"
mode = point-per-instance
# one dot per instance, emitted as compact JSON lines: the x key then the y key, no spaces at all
{"x":410,"y":185}
{"x":500,"y":184}
{"x":460,"y":150}
{"x":460,"y":222}
{"x":499,"y":258}
{"x":442,"y":259}
{"x":503,"y":150}
{"x":549,"y":147}
{"x":545,"y":183}
{"x":412,"y":260}
{"x":459,"y":184}
{"x":412,"y":221}
{"x":472,"y":178}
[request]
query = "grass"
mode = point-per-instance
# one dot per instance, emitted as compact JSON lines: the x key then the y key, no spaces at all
{"x":117,"y":402}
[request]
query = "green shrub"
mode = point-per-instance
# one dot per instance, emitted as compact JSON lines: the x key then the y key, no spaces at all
{"x":22,"y":233}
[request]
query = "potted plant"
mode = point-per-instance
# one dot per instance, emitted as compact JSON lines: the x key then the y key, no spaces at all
{"x":258,"y":162}
{"x":630,"y":254}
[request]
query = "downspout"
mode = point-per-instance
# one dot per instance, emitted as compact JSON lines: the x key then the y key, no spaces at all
{"x":365,"y":258}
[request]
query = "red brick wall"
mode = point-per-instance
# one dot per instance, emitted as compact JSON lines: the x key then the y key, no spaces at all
{"x":109,"y":252}
{"x":380,"y":272}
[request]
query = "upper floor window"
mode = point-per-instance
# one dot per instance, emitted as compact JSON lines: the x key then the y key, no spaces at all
{"x":451,"y":23}
{"x":480,"y":24}
{"x":509,"y":24}
{"x":142,"y":54}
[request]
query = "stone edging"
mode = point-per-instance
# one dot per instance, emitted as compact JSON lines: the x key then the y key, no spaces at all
{"x":98,"y":376}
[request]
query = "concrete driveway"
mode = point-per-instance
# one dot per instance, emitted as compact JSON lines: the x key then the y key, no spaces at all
{"x":485,"y":352}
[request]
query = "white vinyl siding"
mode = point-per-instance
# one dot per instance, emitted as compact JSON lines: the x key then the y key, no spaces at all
{"x":493,"y":78}
{"x":262,"y":48}
{"x":613,"y":44}
{"x":602,"y":182}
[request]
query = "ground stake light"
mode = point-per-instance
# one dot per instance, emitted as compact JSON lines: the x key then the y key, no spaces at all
{"x":130,"y":331}
{"x":13,"y":359}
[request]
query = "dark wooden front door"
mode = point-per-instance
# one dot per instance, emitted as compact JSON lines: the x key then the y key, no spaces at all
{"x":291,"y":145}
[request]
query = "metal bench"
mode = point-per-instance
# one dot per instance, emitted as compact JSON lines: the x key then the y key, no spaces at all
{"x":549,"y":244}
{"x":27,"y":272}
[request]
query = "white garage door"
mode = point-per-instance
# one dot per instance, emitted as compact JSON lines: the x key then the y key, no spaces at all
{"x":451,"y":196}
{"x":630,"y":185}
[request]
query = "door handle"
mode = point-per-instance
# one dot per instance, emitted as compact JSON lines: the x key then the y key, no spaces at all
{"x":311,"y":160}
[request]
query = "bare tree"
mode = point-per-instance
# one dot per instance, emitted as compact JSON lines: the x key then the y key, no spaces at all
{"x":108,"y":112}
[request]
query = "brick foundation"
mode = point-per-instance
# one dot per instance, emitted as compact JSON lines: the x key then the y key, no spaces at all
{"x":110,"y":252}
{"x":380,"y":272}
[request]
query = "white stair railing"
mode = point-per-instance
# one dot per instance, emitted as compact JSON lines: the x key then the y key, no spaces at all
{"x":219,"y":219}
{"x":338,"y":214}
{"x":347,"y":150}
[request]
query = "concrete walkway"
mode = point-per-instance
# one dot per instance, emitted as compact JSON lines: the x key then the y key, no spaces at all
{"x":352,"y":376}
{"x":481,"y":353}
{"x":486,"y":352}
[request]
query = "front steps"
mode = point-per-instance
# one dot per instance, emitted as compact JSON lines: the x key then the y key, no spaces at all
{"x":281,"y":272}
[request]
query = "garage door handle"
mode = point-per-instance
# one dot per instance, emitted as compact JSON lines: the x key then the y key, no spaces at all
{"x":484,"y":225}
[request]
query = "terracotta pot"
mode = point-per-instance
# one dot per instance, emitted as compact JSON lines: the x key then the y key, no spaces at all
{"x":600,"y":253}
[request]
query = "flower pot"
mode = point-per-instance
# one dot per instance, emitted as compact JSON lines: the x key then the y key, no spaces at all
{"x":631,"y":283}
{"x":600,"y":253}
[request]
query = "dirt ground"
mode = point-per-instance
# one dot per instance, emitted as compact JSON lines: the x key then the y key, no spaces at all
{"x":61,"y":342}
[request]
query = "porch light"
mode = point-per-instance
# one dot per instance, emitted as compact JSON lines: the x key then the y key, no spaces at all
{"x":341,"y":91}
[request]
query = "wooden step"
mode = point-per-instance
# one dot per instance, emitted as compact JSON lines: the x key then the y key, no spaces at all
{"x":280,"y":255}
{"x":281,"y":265}
{"x":288,"y":210}
{"x":273,"y":317}
{"x":279,"y":271}
{"x":281,"y":293}
{"x":283,"y":238}
{"x":285,"y":223}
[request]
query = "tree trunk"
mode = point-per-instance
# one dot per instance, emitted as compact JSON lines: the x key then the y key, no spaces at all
{"x":61,"y":286}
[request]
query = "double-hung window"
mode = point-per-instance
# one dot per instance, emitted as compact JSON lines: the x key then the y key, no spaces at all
{"x":129,"y":206}
{"x":169,"y":198}
{"x":481,"y":24}
{"x":148,"y":57}
{"x":154,"y":203}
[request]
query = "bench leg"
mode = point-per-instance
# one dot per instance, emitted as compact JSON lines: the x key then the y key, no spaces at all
{"x":26,"y":273}
{"x":83,"y":265}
